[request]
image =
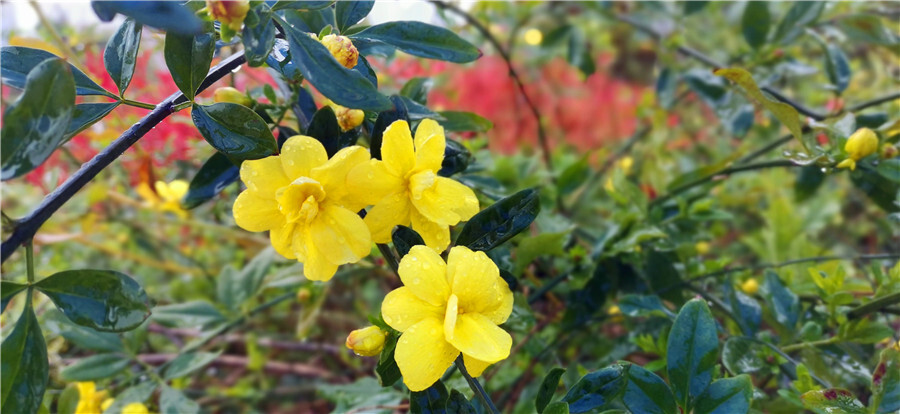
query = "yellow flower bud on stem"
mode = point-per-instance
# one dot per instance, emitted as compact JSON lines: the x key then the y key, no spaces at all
{"x":368,"y":341}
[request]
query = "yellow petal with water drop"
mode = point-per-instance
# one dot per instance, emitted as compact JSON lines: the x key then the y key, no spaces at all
{"x":264,"y":176}
{"x":424,"y":272}
{"x":255,"y":213}
{"x":300,"y":154}
{"x":478,"y":336}
{"x":401,"y":309}
{"x":423,"y":355}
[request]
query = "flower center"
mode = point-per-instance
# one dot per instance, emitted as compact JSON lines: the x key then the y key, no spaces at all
{"x":420,"y":182}
{"x":299,"y":201}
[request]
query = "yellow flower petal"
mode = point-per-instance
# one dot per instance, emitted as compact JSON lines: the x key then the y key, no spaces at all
{"x":450,"y":316}
{"x":391,"y":211}
{"x":477,"y":336}
{"x":316,"y":266}
{"x":424,"y":272}
{"x":282,"y":237}
{"x":476,"y":280}
{"x":333,"y":175}
{"x":255,"y":213}
{"x":135,"y":408}
{"x":372,"y":181}
{"x":436,"y":236}
{"x":446,"y":202}
{"x":300,"y":154}
{"x":475,"y":367}
{"x":264,"y":176}
{"x":430,"y":145}
{"x":423,"y":355}
{"x":401,"y":309}
{"x":340,"y":234}
{"x":177,"y":190}
{"x":298,"y":242}
{"x":397,"y":148}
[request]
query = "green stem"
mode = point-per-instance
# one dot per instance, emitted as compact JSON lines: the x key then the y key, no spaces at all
{"x":874,"y":306}
{"x":183,"y":105}
{"x":726,"y":171}
{"x":138,"y":104}
{"x":813,"y":344}
{"x":476,"y":386}
{"x":29,"y":261}
{"x":389,"y":257}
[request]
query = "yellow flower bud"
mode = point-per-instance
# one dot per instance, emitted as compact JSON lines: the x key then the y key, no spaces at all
{"x":303,"y":295}
{"x":625,"y":164}
{"x":615,"y":313}
{"x":231,"y":95}
{"x":861,"y":144}
{"x":533,"y":37}
{"x":367,"y":341}
{"x":347,"y":118}
{"x":135,"y":408}
{"x":750,"y":286}
{"x":342,"y":49}
{"x":230,"y":13}
{"x":702,"y":247}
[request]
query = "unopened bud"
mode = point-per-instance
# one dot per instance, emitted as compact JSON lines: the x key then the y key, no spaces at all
{"x":342,"y":49}
{"x":230,"y":13}
{"x":231,"y":95}
{"x":367,"y":341}
{"x":861,"y":144}
{"x":347,"y":118}
{"x":750,"y":286}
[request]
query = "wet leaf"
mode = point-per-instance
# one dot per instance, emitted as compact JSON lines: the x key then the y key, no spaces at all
{"x":18,"y":61}
{"x":692,"y":351}
{"x":349,"y":13}
{"x":120,"y":55}
{"x":547,"y":389}
{"x":234,"y":130}
{"x":188,"y":59}
{"x":104,"y":300}
{"x":186,"y":364}
{"x":597,"y":390}
{"x":726,"y":396}
{"x":216,"y":173}
{"x":259,"y":40}
{"x":404,"y":238}
{"x":647,"y":393}
{"x":95,"y":367}
{"x":782,"y":111}
{"x":169,"y":16}
{"x":432,"y":400}
{"x":24,"y":366}
{"x":8,"y":290}
{"x":833,"y":400}
{"x":457,"y":121}
{"x":501,"y":221}
{"x":423,"y":40}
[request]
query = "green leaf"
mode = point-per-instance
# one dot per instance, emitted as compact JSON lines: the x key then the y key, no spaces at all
{"x":755,"y":23}
{"x":417,"y":89}
{"x":236,"y":287}
{"x":344,"y":86}
{"x":172,"y":401}
{"x":456,"y":159}
{"x":8,"y":290}
{"x":501,"y":221}
{"x":597,"y":390}
{"x":188,"y":59}
{"x":890,"y":169}
{"x":68,"y":400}
{"x":692,"y":351}
{"x":234,"y":130}
{"x":24,"y":367}
{"x":120,"y":55}
{"x":833,"y":400}
{"x":726,"y":396}
{"x":458,"y":404}
{"x":643,"y":305}
{"x":457,"y":121}
{"x":801,"y":14}
{"x":188,"y":314}
{"x":260,"y":39}
{"x":95,"y":367}
{"x":809,"y":180}
{"x":691,"y":7}
{"x":186,"y":364}
{"x":387,"y":370}
{"x":647,"y":393}
{"x":405,"y":238}
{"x":661,"y":274}
{"x":35,"y":124}
{"x":86,"y":338}
{"x":165,"y":15}
{"x":558,"y":407}
{"x":868,"y":28}
{"x":301,"y":5}
{"x":432,"y":400}
{"x":865,"y":331}
{"x":104,"y":300}
{"x":18,"y":61}
{"x":531,"y":248}
{"x":881,"y":190}
{"x":348,"y":13}
{"x":325,"y":129}
{"x":136,"y":394}
{"x":886,"y":382}
{"x":86,"y":114}
{"x":837,"y":66}
{"x":742,"y":355}
{"x":423,"y":40}
{"x":783,"y":303}
{"x":216,"y":173}
{"x":548,"y":388}
{"x":782,"y":111}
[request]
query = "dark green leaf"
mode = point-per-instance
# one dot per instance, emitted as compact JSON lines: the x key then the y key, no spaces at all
{"x":18,"y":61}
{"x":236,"y":287}
{"x":87,"y":338}
{"x":24,"y":366}
{"x":234,"y":130}
{"x":405,"y":238}
{"x":458,"y":404}
{"x":186,"y":364}
{"x":456,"y":159}
{"x":886,"y":382}
{"x":692,"y":351}
{"x":347,"y":13}
{"x":216,"y":173}
{"x":643,"y":305}
{"x":559,"y":407}
{"x":166,"y":15}
{"x":344,"y":86}
{"x":387,"y":370}
{"x":809,"y":180}
{"x":597,"y":390}
{"x":325,"y":129}
{"x":260,"y":39}
{"x":417,"y":89}
{"x":691,"y":7}
{"x":837,"y":66}
{"x":95,"y":367}
{"x":547,"y":389}
{"x":188,"y":59}
{"x":801,"y":14}
{"x":172,"y":401}
{"x":35,"y":124}
{"x":280,"y":60}
{"x":501,"y":221}
{"x":86,"y":114}
{"x":890,"y":169}
{"x":868,"y":28}
{"x":784,"y":304}
{"x":418,"y":112}
{"x":667,"y":84}
{"x":747,"y":307}
{"x":385,"y":119}
{"x":189,"y":314}
{"x":833,"y":400}
{"x":879,"y":188}
{"x":432,"y":400}
{"x":583,"y":303}
{"x":312,"y":21}
{"x":136,"y":394}
{"x":457,"y":121}
{"x":661,"y":274}
{"x":104,"y":300}
{"x":10,"y":289}
{"x":120,"y":55}
{"x":301,"y":5}
{"x":365,"y":69}
{"x":423,"y":40}
{"x":726,"y":396}
{"x":755,"y":23}
{"x":647,"y":393}
{"x":743,"y":356}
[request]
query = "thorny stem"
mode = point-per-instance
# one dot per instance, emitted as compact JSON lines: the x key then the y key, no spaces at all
{"x":476,"y":386}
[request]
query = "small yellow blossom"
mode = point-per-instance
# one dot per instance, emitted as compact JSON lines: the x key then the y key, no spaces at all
{"x":615,"y":313}
{"x":702,"y":247}
{"x":167,"y":196}
{"x":404,"y":186}
{"x":367,"y":341}
{"x":107,"y":403}
{"x":342,"y":49}
{"x":625,"y":163}
{"x":88,"y":398}
{"x":861,"y":144}
{"x":750,"y":286}
{"x":347,"y":118}
{"x":231,"y":95}
{"x":445,"y":309}
{"x":230,"y":13}
{"x":301,"y":198}
{"x":533,"y":37}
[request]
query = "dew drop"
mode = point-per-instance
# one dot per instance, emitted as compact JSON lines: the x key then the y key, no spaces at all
{"x":370,"y":175}
{"x":417,"y":281}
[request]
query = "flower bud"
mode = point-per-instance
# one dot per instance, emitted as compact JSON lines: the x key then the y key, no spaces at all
{"x":231,"y":95}
{"x":367,"y":341}
{"x":348,"y":118}
{"x":230,"y":13}
{"x":861,"y":144}
{"x":303,"y":295}
{"x":889,"y":151}
{"x":702,"y":247}
{"x":342,"y":49}
{"x":750,"y":286}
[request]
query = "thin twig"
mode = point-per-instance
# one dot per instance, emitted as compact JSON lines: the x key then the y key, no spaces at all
{"x":723,"y":172}
{"x":238,"y":361}
{"x":476,"y":386}
{"x":874,"y":306}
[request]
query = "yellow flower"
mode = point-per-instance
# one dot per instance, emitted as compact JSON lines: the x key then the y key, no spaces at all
{"x":445,"y":309}
{"x":615,"y":313}
{"x":230,"y":13}
{"x":167,"y":196}
{"x":750,"y":286}
{"x":861,"y":144}
{"x":88,"y":398}
{"x":533,"y":37}
{"x":342,"y":49}
{"x":367,"y":341}
{"x":702,"y":247}
{"x":347,"y":118}
{"x":404,"y":186}
{"x":301,"y":198}
{"x":625,"y":164}
{"x":231,"y":95}
{"x":135,"y":408}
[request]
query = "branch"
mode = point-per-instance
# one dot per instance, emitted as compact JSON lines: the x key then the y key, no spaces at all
{"x":725,"y":171}
{"x":28,"y":226}
{"x":238,"y":361}
{"x":874,"y":306}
